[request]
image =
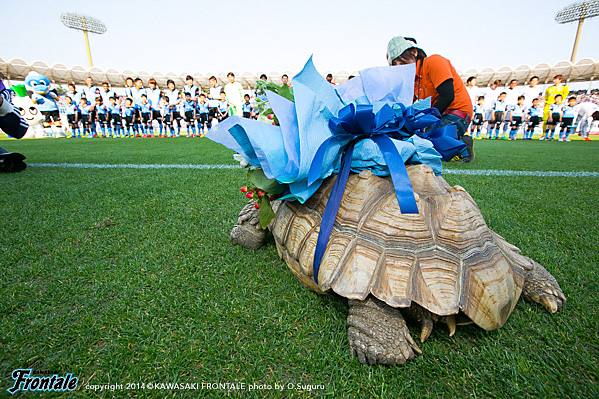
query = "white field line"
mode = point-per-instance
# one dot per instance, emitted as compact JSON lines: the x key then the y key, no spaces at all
{"x":473,"y":172}
{"x":131,"y":166}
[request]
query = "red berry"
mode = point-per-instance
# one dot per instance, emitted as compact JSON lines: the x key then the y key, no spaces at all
{"x":271,"y":197}
{"x":250,"y":195}
{"x":270,"y":116}
{"x":260,"y":193}
{"x":244,"y":189}
{"x":256,"y":206}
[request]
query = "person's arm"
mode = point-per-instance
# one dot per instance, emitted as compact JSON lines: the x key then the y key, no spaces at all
{"x":446,"y":95}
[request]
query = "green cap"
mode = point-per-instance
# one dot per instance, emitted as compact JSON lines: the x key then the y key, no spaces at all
{"x":20,"y":90}
{"x":396,"y":47}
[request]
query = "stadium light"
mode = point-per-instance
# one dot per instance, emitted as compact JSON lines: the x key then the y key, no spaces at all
{"x":577,"y":12}
{"x":86,"y":24}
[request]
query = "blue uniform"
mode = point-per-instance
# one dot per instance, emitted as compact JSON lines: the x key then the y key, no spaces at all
{"x":500,"y":106}
{"x":202,"y":108}
{"x":189,"y":105}
{"x":129,"y":111}
{"x":535,"y":111}
{"x":145,"y":108}
{"x":223,"y":106}
{"x":101,"y":109}
{"x":84,"y":110}
{"x":568,"y":112}
{"x":246,"y":108}
{"x":555,"y":108}
{"x":518,"y":111}
{"x":114,"y":109}
{"x":71,"y":109}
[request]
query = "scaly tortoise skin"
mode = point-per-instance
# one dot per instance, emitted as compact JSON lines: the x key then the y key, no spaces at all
{"x":442,"y":264}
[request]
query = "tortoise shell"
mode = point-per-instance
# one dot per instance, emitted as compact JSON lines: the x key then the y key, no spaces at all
{"x":444,"y":258}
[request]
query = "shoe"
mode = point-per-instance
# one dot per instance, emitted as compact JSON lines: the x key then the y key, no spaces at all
{"x":560,"y":139}
{"x":457,"y":158}
{"x":466,"y":159}
{"x":587,"y":139}
{"x":542,"y":138}
{"x":503,"y":138}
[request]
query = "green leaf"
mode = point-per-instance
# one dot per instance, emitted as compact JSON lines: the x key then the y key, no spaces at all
{"x":286,"y":92}
{"x":258,"y":179}
{"x":266,"y":212}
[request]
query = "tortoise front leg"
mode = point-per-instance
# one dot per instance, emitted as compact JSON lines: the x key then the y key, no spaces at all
{"x":378,"y":333}
{"x":248,"y":232}
{"x":541,"y":287}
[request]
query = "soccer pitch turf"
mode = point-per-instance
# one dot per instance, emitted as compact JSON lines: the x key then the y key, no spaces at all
{"x":125,"y":275}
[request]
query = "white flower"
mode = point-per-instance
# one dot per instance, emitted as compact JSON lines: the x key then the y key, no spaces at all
{"x":241,"y":160}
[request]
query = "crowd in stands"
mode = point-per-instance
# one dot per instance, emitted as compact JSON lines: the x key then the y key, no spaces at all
{"x":500,"y":112}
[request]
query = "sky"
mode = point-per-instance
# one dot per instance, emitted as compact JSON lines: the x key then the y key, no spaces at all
{"x":275,"y":37}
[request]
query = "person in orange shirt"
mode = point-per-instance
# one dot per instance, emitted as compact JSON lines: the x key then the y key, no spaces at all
{"x":438,"y":79}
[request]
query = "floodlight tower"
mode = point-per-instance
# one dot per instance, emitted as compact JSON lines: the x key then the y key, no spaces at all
{"x":86,"y":24}
{"x":577,"y":12}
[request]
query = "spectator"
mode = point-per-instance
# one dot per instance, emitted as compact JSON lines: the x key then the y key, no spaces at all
{"x":285,"y":80}
{"x":329,"y":79}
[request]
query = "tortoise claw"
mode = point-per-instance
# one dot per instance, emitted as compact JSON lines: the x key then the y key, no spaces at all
{"x":378,"y":334}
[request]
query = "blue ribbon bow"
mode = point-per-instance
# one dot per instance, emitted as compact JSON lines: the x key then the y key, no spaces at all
{"x":359,"y":122}
{"x":355,"y":123}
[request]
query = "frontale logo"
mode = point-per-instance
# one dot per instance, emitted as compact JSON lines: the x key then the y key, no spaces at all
{"x":24,"y":381}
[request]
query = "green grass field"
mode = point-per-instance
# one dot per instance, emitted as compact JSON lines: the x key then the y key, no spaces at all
{"x":123,"y":276}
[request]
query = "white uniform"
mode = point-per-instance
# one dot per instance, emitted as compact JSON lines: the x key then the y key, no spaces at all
{"x":584,"y":115}
{"x":473,"y":93}
{"x":530,"y":93}
{"x":490,"y":97}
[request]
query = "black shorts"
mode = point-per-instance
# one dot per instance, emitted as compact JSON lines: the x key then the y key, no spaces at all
{"x":136,"y":118}
{"x":478,"y":120}
{"x":103,"y":119}
{"x":554,"y":119}
{"x":176,"y":115}
{"x":72,"y":119}
{"x":189,"y":116}
{"x":516,"y":122}
{"x":145,"y":117}
{"x":213,"y":112}
{"x":156,"y":115}
{"x":247,"y":115}
{"x":128,"y":121}
{"x":498,"y":118}
{"x":203,"y":118}
{"x":51,"y":116}
{"x":117,"y":119}
{"x":534,"y":122}
{"x":567,"y":122}
{"x":167,"y":120}
{"x":86,"y":120}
